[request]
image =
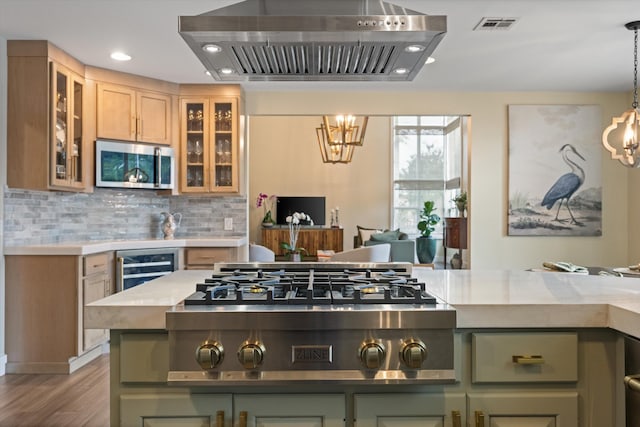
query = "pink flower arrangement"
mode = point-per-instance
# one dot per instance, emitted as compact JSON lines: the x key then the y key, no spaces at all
{"x":266,"y":202}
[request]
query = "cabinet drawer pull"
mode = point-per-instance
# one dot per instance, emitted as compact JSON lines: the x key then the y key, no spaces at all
{"x":479,"y":418}
{"x":456,"y":420}
{"x":220,"y":419}
{"x":633,"y":382}
{"x":242,"y":422}
{"x":533,"y":359}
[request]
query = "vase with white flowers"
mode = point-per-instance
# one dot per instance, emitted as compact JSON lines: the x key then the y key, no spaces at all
{"x":266,"y":202}
{"x":295,"y":221}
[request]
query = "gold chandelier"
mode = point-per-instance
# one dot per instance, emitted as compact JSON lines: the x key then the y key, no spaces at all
{"x":622,"y":141}
{"x":337,"y":141}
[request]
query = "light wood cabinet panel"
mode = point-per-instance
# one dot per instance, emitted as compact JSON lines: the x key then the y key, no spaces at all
{"x":94,"y":289}
{"x":311,"y":239}
{"x":47,"y":143}
{"x":98,"y":270}
{"x":209,"y":139}
{"x":154,"y":112}
{"x":45,"y":297}
{"x":205,"y":258}
{"x":128,"y":114}
{"x":116,"y":112}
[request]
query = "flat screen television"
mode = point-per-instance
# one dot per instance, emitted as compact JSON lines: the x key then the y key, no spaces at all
{"x":312,"y":206}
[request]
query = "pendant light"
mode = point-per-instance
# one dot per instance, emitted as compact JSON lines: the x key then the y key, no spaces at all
{"x":337,"y":141}
{"x":621,"y":137}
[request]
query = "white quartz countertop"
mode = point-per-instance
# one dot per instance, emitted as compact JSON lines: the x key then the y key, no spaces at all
{"x":88,"y":248}
{"x":482,"y":299}
{"x":143,"y":306}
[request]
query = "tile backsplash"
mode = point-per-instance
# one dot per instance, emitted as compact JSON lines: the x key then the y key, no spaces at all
{"x":45,"y":217}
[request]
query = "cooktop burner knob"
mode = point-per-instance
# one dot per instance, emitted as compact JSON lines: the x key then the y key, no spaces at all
{"x":251,"y":354}
{"x":372,"y":354}
{"x":413,"y":353}
{"x":209,"y":354}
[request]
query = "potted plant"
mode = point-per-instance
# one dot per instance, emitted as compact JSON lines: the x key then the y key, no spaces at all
{"x":426,"y":245}
{"x":461,"y":202}
{"x":266,"y":202}
{"x":291,"y":248}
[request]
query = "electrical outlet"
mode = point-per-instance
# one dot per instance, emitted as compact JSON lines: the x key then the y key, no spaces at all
{"x":228,"y":224}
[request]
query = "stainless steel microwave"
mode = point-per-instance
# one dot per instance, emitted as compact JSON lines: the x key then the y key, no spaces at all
{"x":131,"y":165}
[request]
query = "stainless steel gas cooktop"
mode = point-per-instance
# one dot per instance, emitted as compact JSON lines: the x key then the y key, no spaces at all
{"x":277,"y":323}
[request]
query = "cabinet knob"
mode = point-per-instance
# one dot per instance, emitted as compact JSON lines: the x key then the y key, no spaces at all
{"x":479,"y":418}
{"x":251,"y":354}
{"x":372,"y":354}
{"x":413,"y":353}
{"x":209,"y":354}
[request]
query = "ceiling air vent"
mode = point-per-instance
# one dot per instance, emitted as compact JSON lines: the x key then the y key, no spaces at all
{"x":490,"y":24}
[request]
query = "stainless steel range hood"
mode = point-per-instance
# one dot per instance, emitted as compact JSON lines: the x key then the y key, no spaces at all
{"x":311,"y":40}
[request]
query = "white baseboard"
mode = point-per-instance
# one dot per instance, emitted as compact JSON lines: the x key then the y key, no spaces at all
{"x":3,"y":364}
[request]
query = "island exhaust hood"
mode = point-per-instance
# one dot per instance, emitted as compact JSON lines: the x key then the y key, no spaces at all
{"x":312,"y":40}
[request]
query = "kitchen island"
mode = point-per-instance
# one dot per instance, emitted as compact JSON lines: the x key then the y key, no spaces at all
{"x":584,"y":316}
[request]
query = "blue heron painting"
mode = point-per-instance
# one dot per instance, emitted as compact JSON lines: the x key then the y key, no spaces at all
{"x":555,"y":178}
{"x":566,"y":185}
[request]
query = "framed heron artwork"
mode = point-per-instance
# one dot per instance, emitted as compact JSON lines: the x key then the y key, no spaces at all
{"x":555,"y":179}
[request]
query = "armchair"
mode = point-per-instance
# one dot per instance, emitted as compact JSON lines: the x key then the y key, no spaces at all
{"x":403,"y":249}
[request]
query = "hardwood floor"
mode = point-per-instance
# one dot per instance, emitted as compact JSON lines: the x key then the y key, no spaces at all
{"x":79,"y":399}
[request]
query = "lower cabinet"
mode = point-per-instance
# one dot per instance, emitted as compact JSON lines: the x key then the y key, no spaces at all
{"x":523,"y":409}
{"x":45,"y":299}
{"x":220,"y":410}
{"x":176,"y":410}
{"x":205,"y":258}
{"x":501,"y":383}
{"x":285,"y":410}
{"x":410,"y":410}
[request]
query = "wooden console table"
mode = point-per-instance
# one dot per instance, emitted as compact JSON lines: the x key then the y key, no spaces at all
{"x":455,"y":235}
{"x":311,"y":239}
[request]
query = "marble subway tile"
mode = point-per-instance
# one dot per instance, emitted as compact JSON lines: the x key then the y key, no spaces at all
{"x":32,"y":217}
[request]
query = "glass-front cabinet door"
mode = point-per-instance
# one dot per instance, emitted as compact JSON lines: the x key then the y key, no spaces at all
{"x":195,"y":150}
{"x":67,"y":150}
{"x":209,"y":145}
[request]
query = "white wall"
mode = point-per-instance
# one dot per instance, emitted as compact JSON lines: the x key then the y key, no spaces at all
{"x":490,"y":246}
{"x":3,"y":181}
{"x":286,"y":161}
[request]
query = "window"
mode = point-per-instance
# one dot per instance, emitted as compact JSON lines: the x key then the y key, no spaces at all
{"x":427,"y":165}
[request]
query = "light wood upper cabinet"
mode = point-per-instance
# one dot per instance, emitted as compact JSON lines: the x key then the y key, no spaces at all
{"x":209,"y":145}
{"x":132,"y":115}
{"x":47,"y":144}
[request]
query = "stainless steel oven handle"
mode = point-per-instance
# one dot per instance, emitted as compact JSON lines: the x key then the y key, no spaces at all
{"x":633,"y":382}
{"x":158,"y":157}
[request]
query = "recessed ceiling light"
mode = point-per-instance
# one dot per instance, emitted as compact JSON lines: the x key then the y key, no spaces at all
{"x":430,"y":60}
{"x":414,"y":48}
{"x":211,"y":48}
{"x":226,"y":70}
{"x":120,"y":56}
{"x":401,"y":71}
{"x":207,"y":72}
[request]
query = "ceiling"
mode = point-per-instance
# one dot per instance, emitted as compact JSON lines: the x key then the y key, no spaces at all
{"x":556,"y":45}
